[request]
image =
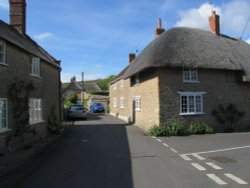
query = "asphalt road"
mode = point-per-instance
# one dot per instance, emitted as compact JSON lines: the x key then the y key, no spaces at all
{"x":105,"y":152}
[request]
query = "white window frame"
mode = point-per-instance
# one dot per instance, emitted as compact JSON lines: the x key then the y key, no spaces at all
{"x":35,"y":66}
{"x":121,"y":83}
{"x":122,"y":102}
{"x":114,"y":86}
{"x":3,"y":52}
{"x":4,"y":129}
{"x":188,"y":74}
{"x":191,"y":110}
{"x":35,"y":111}
{"x":115,"y":102}
{"x":138,"y":103}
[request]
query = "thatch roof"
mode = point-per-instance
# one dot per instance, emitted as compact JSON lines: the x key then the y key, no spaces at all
{"x":188,"y":47}
{"x":24,"y":42}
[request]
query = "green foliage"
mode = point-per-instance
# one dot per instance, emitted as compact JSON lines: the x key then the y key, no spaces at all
{"x":159,"y":130}
{"x":54,"y":124}
{"x":228,"y":116}
{"x":70,"y":99}
{"x":176,"y":128}
{"x":199,"y":128}
{"x":104,"y":83}
{"x":19,"y":93}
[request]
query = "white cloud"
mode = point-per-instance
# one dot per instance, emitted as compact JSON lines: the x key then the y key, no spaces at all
{"x":248,"y":41}
{"x":43,"y":36}
{"x":197,"y":17}
{"x":233,"y":16}
{"x":4,"y":4}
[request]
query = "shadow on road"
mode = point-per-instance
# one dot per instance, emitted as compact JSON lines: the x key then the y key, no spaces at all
{"x":93,"y":154}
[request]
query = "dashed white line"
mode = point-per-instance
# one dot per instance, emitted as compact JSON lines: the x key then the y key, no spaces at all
{"x":173,"y":150}
{"x":214,"y":166}
{"x":216,"y":179}
{"x":153,"y":137}
{"x":165,"y":144}
{"x":158,"y":140}
{"x":236,"y":179}
{"x":198,"y":166}
{"x":198,"y":156}
{"x":186,"y":158}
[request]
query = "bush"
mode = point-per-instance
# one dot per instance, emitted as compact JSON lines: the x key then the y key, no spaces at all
{"x":176,"y":128}
{"x":158,"y":130}
{"x":54,"y":124}
{"x":199,"y":128}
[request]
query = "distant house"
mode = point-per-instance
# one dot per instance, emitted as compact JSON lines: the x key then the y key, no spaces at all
{"x":80,"y":89}
{"x":23,"y":59}
{"x":184,"y":73}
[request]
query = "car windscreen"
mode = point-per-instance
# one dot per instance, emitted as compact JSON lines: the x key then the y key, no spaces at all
{"x":98,"y":104}
{"x":77,"y":107}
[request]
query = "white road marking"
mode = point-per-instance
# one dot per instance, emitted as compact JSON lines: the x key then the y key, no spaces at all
{"x":173,"y":150}
{"x":165,"y":144}
{"x":198,"y":166}
{"x":216,"y":179}
{"x":213,"y":151}
{"x":186,"y":158}
{"x":236,"y":179}
{"x":153,"y":137}
{"x":198,"y":156}
{"x":158,"y":140}
{"x":214,"y":166}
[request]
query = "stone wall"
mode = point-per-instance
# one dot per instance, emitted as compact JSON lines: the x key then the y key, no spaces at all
{"x":220,"y":87}
{"x":47,"y":87}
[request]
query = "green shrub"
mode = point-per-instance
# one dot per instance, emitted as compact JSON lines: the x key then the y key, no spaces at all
{"x":158,"y":130}
{"x":54,"y":124}
{"x":199,"y":128}
{"x":176,"y":128}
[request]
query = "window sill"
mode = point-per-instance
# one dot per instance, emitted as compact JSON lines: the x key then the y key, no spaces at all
{"x":36,"y":76}
{"x":135,"y":85}
{"x":138,"y":109}
{"x":191,"y":114}
{"x":122,"y":107}
{"x":4,"y":130}
{"x":4,"y":64}
{"x":37,"y":122}
{"x":190,"y":82}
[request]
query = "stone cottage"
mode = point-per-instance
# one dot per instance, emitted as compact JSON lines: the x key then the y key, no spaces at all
{"x":184,"y":73}
{"x":21,"y":58}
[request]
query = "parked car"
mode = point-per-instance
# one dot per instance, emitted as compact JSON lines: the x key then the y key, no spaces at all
{"x":97,"y":107}
{"x":77,"y":111}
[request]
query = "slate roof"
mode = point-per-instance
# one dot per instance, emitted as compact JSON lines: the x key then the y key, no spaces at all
{"x":77,"y":87}
{"x":188,"y":47}
{"x":23,"y":41}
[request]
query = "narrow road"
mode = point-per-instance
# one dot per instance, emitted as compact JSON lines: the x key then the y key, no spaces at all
{"x":104,"y":152}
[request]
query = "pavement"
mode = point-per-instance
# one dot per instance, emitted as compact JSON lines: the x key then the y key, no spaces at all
{"x":106,"y":152}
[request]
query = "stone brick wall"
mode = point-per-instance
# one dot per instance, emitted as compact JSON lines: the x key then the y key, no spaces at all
{"x":147,"y":90}
{"x":47,"y":87}
{"x":221,"y":87}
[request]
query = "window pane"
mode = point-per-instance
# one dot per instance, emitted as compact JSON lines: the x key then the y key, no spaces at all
{"x":183,"y":104}
{"x":3,"y":114}
{"x":198,"y":104}
{"x":193,"y":74}
{"x":1,"y":57}
{"x":191,"y":103}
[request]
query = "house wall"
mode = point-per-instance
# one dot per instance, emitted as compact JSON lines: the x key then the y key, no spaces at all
{"x":221,"y":87}
{"x":147,"y":90}
{"x":47,"y":87}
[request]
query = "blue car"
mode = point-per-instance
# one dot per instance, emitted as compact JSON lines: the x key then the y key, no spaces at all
{"x":97,"y":107}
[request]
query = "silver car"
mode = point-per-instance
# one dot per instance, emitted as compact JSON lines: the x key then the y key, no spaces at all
{"x":77,"y":111}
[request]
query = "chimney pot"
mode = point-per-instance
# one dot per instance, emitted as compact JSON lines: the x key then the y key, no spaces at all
{"x":214,"y":23}
{"x":159,"y":30}
{"x":18,"y":15}
{"x":131,"y":57}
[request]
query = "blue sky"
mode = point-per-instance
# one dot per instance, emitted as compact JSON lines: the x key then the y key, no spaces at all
{"x":96,"y":36}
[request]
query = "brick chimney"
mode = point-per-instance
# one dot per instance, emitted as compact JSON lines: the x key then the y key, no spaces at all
{"x":131,"y":57}
{"x":214,"y":23}
{"x":159,"y":30}
{"x":18,"y":15}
